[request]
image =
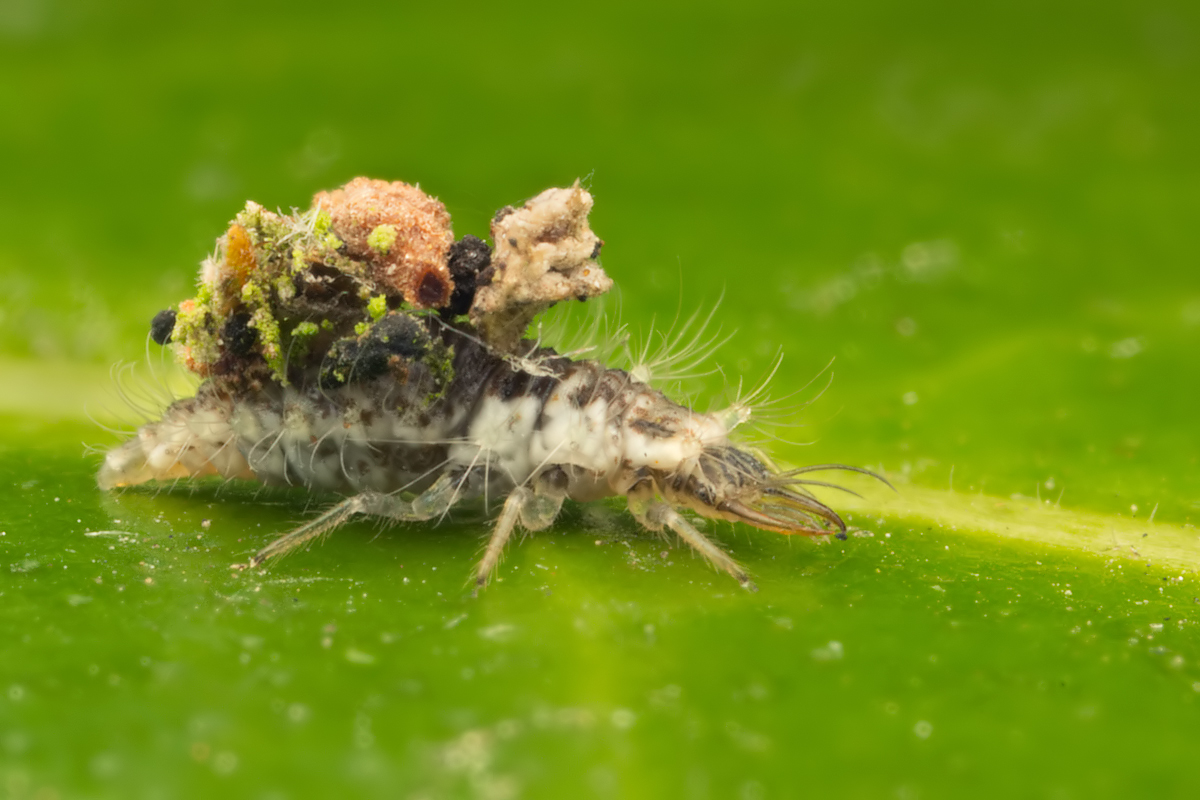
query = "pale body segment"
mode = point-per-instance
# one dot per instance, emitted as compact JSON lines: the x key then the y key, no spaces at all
{"x":536,"y":430}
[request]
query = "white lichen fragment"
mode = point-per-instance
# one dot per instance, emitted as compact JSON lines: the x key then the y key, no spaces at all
{"x":544,"y":252}
{"x":381,"y":239}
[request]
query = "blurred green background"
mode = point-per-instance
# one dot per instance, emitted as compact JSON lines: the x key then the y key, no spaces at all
{"x":985,"y":213}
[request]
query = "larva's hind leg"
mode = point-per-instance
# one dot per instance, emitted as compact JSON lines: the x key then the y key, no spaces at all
{"x":432,"y":503}
{"x":657,"y":514}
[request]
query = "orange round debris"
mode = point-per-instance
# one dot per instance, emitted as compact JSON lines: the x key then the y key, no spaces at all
{"x":401,"y":232}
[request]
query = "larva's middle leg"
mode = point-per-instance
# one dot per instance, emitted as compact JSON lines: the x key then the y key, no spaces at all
{"x":504,"y":528}
{"x":538,"y":511}
{"x":658,"y":514}
{"x":535,"y":510}
{"x":432,"y":503}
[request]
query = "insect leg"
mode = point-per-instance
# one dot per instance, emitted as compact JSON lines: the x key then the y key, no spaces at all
{"x":659,"y":514}
{"x":539,"y":510}
{"x":310,"y":530}
{"x":504,"y":528}
{"x":434,"y":501}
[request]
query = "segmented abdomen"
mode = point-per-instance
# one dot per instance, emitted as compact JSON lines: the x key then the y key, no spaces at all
{"x":504,"y":419}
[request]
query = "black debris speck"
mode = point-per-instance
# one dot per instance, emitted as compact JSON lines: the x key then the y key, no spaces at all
{"x":366,"y":358}
{"x":237,"y":335}
{"x":469,"y":257}
{"x":162,"y":325}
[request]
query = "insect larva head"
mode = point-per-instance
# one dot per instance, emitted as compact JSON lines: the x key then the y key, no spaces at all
{"x":728,"y":483}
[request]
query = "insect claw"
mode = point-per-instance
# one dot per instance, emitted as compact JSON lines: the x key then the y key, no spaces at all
{"x":754,"y":517}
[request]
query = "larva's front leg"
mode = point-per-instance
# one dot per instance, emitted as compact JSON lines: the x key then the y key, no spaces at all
{"x":434,"y":502}
{"x":655,"y":514}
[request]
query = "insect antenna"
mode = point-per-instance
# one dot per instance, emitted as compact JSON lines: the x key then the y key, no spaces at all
{"x":825,"y":484}
{"x":835,"y":467}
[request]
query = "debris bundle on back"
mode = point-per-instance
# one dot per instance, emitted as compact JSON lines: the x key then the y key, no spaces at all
{"x":333,"y":291}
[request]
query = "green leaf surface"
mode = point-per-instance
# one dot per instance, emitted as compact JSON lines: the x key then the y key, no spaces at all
{"x":984,"y":214}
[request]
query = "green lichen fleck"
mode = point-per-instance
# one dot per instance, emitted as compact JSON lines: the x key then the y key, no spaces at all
{"x":382,"y":238}
{"x":267,"y":230}
{"x":194,"y":334}
{"x":361,"y":328}
{"x":440,"y":361}
{"x":321,"y":222}
{"x":302,"y":336}
{"x":285,"y":288}
{"x":269,"y":336}
{"x":377,"y":306}
{"x":250,"y":217}
{"x":299,"y":262}
{"x":306,"y":329}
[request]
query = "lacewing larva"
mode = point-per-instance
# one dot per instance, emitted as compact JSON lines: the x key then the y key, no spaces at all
{"x":359,"y":348}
